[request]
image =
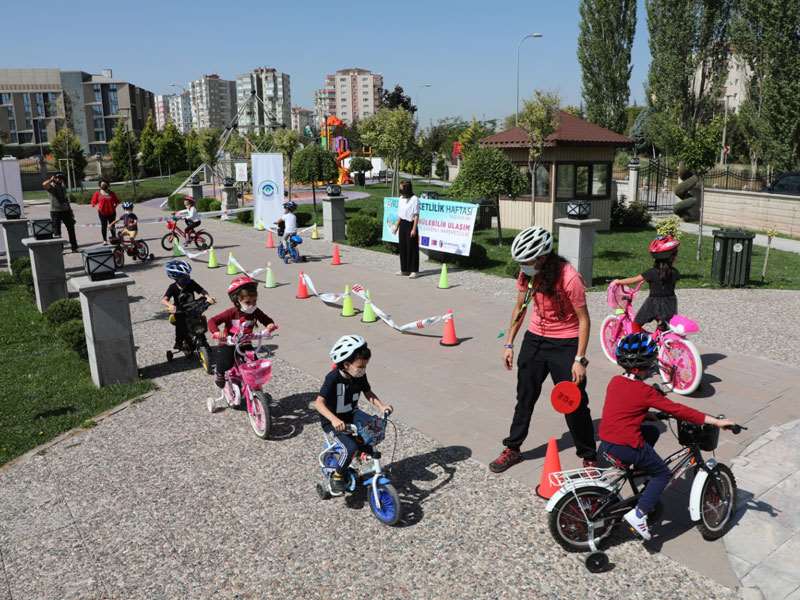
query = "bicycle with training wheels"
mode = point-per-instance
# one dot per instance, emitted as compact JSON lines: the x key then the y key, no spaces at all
{"x":589,"y":503}
{"x":199,"y":237}
{"x":287,"y":249}
{"x":679,"y":362}
{"x":196,"y":327}
{"x":123,"y":245}
{"x":368,"y":432}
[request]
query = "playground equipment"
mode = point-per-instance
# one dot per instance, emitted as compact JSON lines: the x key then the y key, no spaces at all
{"x":338,"y":144}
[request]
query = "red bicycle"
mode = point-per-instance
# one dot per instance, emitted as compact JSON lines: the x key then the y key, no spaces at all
{"x":136,"y":249}
{"x":201,"y":239}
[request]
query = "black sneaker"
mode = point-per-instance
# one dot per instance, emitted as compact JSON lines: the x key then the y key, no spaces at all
{"x":507,"y":459}
{"x":338,"y":483}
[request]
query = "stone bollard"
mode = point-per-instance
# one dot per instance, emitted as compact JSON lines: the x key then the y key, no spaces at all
{"x":47,"y":265}
{"x":231,"y":200}
{"x":107,"y":323}
{"x":633,"y":181}
{"x":576,"y":244}
{"x":333,"y":219}
{"x":197,"y":192}
{"x":14,"y":231}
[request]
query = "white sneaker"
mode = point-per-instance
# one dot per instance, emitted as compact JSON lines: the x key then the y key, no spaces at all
{"x":412,"y":276}
{"x":638,"y":524}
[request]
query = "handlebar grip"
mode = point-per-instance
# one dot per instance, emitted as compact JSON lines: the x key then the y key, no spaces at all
{"x":735,"y":429}
{"x":351,"y":428}
{"x":663,"y":416}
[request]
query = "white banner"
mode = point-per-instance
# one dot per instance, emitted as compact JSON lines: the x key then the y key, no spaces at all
{"x":444,"y":225}
{"x":267,"y":187}
{"x":241,"y":171}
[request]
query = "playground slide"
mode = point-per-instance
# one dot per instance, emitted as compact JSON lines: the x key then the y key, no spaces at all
{"x":344,"y":173}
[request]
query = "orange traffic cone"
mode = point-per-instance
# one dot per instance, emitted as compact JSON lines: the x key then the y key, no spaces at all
{"x":302,"y":290}
{"x":552,"y":464}
{"x":337,"y":260}
{"x":449,"y":334}
{"x":270,"y":241}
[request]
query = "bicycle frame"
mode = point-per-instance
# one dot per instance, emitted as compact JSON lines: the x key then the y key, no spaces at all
{"x":239,"y":358}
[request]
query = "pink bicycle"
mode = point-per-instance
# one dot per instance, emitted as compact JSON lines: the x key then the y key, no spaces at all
{"x":679,"y":362}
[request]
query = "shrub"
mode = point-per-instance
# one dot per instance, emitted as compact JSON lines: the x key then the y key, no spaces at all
{"x":7,"y":280}
{"x":634,"y":214}
{"x":73,"y":335}
{"x":175,"y":202}
{"x":245,"y":217}
{"x":204,"y":203}
{"x":512,"y":268}
{"x":670,"y":226}
{"x":23,"y":262}
{"x":25,"y":277}
{"x":214,"y":205}
{"x":61,"y":311}
{"x":363,"y":230}
{"x":477,"y":257}
{"x":370,"y":211}
{"x":392,"y":247}
{"x":303,"y":219}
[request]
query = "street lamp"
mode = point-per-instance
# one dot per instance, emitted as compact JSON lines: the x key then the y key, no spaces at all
{"x":530,"y":35}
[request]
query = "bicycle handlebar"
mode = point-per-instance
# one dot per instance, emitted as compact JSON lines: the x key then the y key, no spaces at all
{"x":352,"y":429}
{"x":735,"y":429}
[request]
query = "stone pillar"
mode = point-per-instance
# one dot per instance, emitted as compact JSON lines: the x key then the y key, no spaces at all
{"x":14,"y":231}
{"x":47,"y":264}
{"x":231,"y":201}
{"x":633,"y":181}
{"x":333,"y":219}
{"x":197,"y":192}
{"x":576,"y":244}
{"x":107,"y":323}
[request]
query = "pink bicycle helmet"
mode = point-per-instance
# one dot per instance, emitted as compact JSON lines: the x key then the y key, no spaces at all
{"x":241,"y":282}
{"x":664,"y":246}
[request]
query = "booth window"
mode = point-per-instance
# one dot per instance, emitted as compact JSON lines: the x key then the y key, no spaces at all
{"x":582,"y":180}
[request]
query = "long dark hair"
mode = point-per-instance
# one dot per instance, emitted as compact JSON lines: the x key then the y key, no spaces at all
{"x":406,"y":191}
{"x":665,"y":268}
{"x":545,"y":282}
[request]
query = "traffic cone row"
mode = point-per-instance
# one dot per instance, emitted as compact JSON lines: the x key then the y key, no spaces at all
{"x":212,"y":258}
{"x":314,"y":232}
{"x":302,"y":289}
{"x":449,"y":334}
{"x":443,"y":285}
{"x":232,"y":268}
{"x":347,"y":303}
{"x":368,"y":316}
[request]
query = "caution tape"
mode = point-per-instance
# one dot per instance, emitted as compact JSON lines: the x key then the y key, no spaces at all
{"x":358,"y":290}
{"x":212,"y":213}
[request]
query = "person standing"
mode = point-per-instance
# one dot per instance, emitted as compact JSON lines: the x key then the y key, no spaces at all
{"x":406,"y":229}
{"x":106,"y":202}
{"x":60,"y":210}
{"x":555,"y":342}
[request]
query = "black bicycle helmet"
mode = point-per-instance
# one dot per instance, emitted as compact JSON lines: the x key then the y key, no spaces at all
{"x":291,"y":205}
{"x":637,"y":351}
{"x":127,"y":205}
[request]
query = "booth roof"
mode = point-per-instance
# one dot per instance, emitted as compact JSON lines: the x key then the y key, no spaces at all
{"x":571,"y":130}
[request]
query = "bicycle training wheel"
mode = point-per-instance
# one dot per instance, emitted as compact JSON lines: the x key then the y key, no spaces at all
{"x":717,"y":503}
{"x":167,"y":241}
{"x":203,"y":240}
{"x":610,"y":334}
{"x":390,"y":509}
{"x":568,"y":525}
{"x":680,"y":365}
{"x":259,"y":415}
{"x":142,"y":250}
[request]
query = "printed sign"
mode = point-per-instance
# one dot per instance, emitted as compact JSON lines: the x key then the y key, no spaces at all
{"x":241,"y":171}
{"x":267,"y":187}
{"x":444,"y":225}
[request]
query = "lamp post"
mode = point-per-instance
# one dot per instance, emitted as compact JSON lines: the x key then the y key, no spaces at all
{"x":530,"y":35}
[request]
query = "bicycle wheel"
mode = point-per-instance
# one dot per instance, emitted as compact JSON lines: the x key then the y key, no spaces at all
{"x":167,"y":240}
{"x":119,"y":257}
{"x":259,"y":415}
{"x":717,"y":503}
{"x":203,"y":240}
{"x":610,"y":334}
{"x":680,"y":365}
{"x":142,"y":250}
{"x":568,"y":525}
{"x":390,"y":510}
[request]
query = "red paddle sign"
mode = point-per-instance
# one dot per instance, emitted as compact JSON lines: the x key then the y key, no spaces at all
{"x":566,"y":397}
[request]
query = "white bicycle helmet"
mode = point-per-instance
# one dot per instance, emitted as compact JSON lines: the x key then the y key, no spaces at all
{"x":345,"y":346}
{"x":531,"y":243}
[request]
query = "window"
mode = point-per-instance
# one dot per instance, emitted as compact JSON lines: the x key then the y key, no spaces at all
{"x":99,"y":135}
{"x":583,"y":180}
{"x":565,"y":181}
{"x":25,"y":138}
{"x":113,"y":101}
{"x":98,"y":92}
{"x":5,"y":98}
{"x":543,"y":180}
{"x":600,"y":180}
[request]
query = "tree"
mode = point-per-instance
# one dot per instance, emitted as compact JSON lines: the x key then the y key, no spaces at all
{"x":539,"y":117}
{"x":124,"y":149}
{"x":575,"y":111}
{"x":148,"y":139}
{"x":193,"y":152}
{"x":604,"y":51}
{"x":313,"y":163}
{"x":389,"y":132}
{"x":472,"y":135}
{"x":397,"y":99}
{"x":66,"y":145}
{"x":170,"y":148}
{"x":287,"y":142}
{"x":439,"y":138}
{"x":209,"y":152}
{"x":487,"y":173}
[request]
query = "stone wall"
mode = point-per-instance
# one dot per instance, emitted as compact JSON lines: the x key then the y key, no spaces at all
{"x":753,"y":210}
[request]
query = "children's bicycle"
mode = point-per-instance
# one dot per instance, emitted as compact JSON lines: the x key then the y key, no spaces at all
{"x":679,"y":362}
{"x":196,"y":327}
{"x":292,"y":253}
{"x":368,"y":432}
{"x":588,"y":504}
{"x":200,"y":238}
{"x":251,"y":371}
{"x":136,"y":249}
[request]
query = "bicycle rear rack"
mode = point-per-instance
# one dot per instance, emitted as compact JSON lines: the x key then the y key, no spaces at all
{"x":575,"y":478}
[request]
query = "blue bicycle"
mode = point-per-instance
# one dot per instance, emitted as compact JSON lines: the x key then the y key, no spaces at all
{"x":291,"y":253}
{"x":366,"y":467}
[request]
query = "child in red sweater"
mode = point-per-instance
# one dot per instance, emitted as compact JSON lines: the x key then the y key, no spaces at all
{"x":627,"y":405}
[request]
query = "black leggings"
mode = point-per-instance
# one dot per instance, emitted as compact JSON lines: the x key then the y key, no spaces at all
{"x":104,"y":221}
{"x":409,"y":247}
{"x":538,"y":358}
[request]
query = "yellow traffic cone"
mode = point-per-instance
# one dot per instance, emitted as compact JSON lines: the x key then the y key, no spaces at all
{"x":347,"y":303}
{"x":260,"y":225}
{"x":314,"y":232}
{"x":443,"y":285}
{"x":232,"y":269}
{"x":212,"y":258}
{"x":269,"y":280}
{"x":369,"y":315}
{"x":176,"y":248}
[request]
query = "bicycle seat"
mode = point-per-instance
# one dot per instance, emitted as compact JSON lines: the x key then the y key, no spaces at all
{"x":624,"y":466}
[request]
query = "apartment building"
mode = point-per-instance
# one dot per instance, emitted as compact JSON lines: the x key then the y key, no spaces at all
{"x":213,"y":102}
{"x":162,"y":110}
{"x":180,"y":111}
{"x":325,"y":102}
{"x":302,"y":118}
{"x":274,"y":90}
{"x":358,"y":94}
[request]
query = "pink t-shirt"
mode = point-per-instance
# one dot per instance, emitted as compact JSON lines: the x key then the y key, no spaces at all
{"x":555,"y":316}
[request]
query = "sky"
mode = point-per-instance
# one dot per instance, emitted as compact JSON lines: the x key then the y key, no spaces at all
{"x":465,"y":50}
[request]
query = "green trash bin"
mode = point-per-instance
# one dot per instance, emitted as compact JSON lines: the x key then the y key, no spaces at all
{"x":486,"y":210}
{"x":733,"y":253}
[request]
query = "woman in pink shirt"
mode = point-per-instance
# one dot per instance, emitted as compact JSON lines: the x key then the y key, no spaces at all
{"x":554,"y":344}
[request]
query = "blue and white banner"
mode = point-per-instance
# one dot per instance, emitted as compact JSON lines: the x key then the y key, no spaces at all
{"x":444,"y":225}
{"x":267,"y":172}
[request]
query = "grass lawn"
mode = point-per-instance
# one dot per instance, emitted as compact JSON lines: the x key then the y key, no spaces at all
{"x":154,"y":187}
{"x":45,"y":387}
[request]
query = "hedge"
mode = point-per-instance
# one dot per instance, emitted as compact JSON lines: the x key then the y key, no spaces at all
{"x":61,"y":311}
{"x":73,"y":335}
{"x":363,"y":230}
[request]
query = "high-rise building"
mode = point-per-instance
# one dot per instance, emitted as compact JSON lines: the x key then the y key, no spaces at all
{"x":356,"y":95}
{"x":273,"y":88}
{"x":325,"y":101}
{"x":180,"y":111}
{"x":162,"y":110}
{"x":213,"y":102}
{"x":302,"y":117}
{"x":36,"y":103}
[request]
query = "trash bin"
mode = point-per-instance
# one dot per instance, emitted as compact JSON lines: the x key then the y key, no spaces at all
{"x":486,"y":210}
{"x":733,"y":253}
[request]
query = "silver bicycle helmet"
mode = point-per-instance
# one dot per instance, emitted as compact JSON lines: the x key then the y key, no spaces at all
{"x":345,"y":346}
{"x":531,"y":243}
{"x":176,"y":269}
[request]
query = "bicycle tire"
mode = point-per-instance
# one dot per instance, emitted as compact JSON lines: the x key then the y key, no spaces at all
{"x":203,"y":240}
{"x":391,"y":509}
{"x":690,"y":371}
{"x":714,"y":531}
{"x":167,"y":241}
{"x":119,"y":257}
{"x":610,"y":332}
{"x":568,"y":503}
{"x":260,"y":417}
{"x":142,"y":250}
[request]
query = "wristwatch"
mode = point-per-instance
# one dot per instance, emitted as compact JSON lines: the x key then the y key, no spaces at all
{"x":582,"y":361}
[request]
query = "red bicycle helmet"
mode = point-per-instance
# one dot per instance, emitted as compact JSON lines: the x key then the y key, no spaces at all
{"x":239,"y":283}
{"x":189,"y":199}
{"x":664,"y":246}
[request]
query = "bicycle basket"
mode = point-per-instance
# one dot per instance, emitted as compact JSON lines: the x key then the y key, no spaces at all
{"x":706,"y":437}
{"x":370,"y":428}
{"x":256,"y":373}
{"x":296,"y":239}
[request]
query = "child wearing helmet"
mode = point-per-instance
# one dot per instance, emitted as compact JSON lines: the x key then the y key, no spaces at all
{"x":287,"y":224}
{"x":182,"y":290}
{"x":190,"y":215}
{"x":337,"y":401}
{"x":130,"y":222}
{"x":242,"y":318}
{"x":662,"y":303}
{"x":624,"y":438}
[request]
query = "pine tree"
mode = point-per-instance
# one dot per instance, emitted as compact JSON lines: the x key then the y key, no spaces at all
{"x":148,"y":139}
{"x":170,"y":148}
{"x":193,"y":151}
{"x":124,"y":148}
{"x":604,"y":51}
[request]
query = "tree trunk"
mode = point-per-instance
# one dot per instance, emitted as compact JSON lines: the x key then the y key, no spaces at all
{"x":766,"y":259}
{"x":700,"y":223}
{"x":531,"y":169}
{"x":314,"y":198}
{"x":499,"y":228}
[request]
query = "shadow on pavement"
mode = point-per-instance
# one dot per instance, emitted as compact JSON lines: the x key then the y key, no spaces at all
{"x":564,"y":442}
{"x":746,"y":502}
{"x":712,"y":358}
{"x":705,"y":389}
{"x":178,"y":365}
{"x":291,"y":414}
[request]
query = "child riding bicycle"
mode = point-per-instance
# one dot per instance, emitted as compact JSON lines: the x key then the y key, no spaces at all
{"x":287,"y":224}
{"x":190,"y":216}
{"x":130,"y":222}
{"x":181,"y":291}
{"x":624,"y":439}
{"x":337,"y":402}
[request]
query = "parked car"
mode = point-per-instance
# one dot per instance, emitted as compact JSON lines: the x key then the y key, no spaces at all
{"x":430,"y":195}
{"x":786,"y":183}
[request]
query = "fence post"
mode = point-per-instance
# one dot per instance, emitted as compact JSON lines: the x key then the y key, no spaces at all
{"x":727,"y":172}
{"x":633,"y":180}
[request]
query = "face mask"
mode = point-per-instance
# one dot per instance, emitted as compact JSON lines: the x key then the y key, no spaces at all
{"x":529,"y":270}
{"x":248,"y":309}
{"x":356,"y":373}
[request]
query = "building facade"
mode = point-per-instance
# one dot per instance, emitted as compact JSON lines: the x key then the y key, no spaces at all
{"x":350,"y":94}
{"x":162,"y":110}
{"x":180,"y":111}
{"x":325,"y":102}
{"x":273,"y":88}
{"x":213,"y":102}
{"x":302,"y":118}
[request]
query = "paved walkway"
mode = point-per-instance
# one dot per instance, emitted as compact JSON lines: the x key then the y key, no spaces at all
{"x":163,"y":500}
{"x":778,"y":243}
